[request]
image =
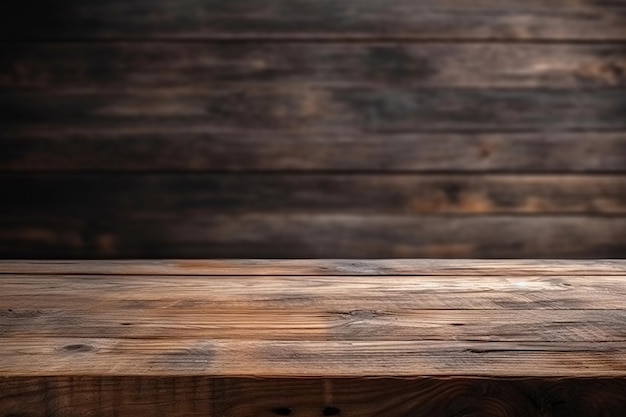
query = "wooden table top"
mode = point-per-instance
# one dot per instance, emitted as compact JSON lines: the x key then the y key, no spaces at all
{"x":313,"y":318}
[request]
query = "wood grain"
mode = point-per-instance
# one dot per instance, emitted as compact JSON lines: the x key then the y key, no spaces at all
{"x":323,"y":326}
{"x":95,"y":66}
{"x":155,"y":195}
{"x":314,"y":19}
{"x":169,"y":300}
{"x":290,"y":96}
{"x":322,"y":109}
{"x":516,"y":308}
{"x":169,"y":234}
{"x":33,"y":356}
{"x":489,"y":338}
{"x":242,"y":397}
{"x":185,"y":148}
{"x":218,"y":215}
{"x":305,"y":101}
{"x":322,"y":267}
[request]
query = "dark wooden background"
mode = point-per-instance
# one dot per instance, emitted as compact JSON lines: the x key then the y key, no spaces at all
{"x":313,"y":128}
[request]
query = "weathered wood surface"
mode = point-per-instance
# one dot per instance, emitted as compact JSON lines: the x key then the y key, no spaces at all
{"x":154,"y":195}
{"x":315,"y":19}
{"x":312,"y":106}
{"x":288,"y":96}
{"x":187,"y":148}
{"x":236,"y":338}
{"x":208,"y":215}
{"x":420,"y":325}
{"x":307,"y":235}
{"x":322,"y":109}
{"x":320,"y":267}
{"x":291,"y":216}
{"x":131,"y":66}
{"x":242,"y":397}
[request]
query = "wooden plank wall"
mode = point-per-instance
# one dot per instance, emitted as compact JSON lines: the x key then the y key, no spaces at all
{"x":243,"y":397}
{"x":313,"y":128}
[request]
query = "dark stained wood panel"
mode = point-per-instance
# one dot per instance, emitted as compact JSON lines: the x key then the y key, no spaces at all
{"x":122,"y":66}
{"x":284,"y":215}
{"x":156,"y":195}
{"x":62,"y":234}
{"x":315,"y":109}
{"x":249,"y":128}
{"x":75,"y":83}
{"x":244,"y":397}
{"x":326,"y":19}
{"x":184,"y":149}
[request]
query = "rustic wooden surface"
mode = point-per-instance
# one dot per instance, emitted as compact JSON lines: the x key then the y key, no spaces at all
{"x":186,"y":65}
{"x":313,"y":128}
{"x":399,"y":215}
{"x":185,"y":149}
{"x":151,"y":195}
{"x":323,"y":109}
{"x":309,"y":235}
{"x":434,"y":320}
{"x":243,"y":397}
{"x":319,"y":267}
{"x":313,"y":338}
{"x":326,"y":19}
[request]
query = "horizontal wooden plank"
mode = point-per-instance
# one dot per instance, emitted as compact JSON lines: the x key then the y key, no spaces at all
{"x":144,"y":146}
{"x":317,"y":109}
{"x":201,"y":19}
{"x":243,"y":397}
{"x":293,"y":324}
{"x":319,"y":308}
{"x":131,"y":66}
{"x":316,"y":359}
{"x":151,"y":195}
{"x":323,"y":267}
{"x":172,"y":297}
{"x":331,"y":326}
{"x":265,"y":326}
{"x":154,"y":148}
{"x":311,"y":216}
{"x":61,"y":234}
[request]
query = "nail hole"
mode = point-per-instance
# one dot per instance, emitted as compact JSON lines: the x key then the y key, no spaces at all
{"x":283,"y":411}
{"x":331,"y":411}
{"x":125,"y":324}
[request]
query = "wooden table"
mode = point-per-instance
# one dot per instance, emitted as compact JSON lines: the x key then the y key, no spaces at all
{"x":313,"y":338}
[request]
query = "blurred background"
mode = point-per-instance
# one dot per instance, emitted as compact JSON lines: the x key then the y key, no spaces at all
{"x":313,"y":128}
